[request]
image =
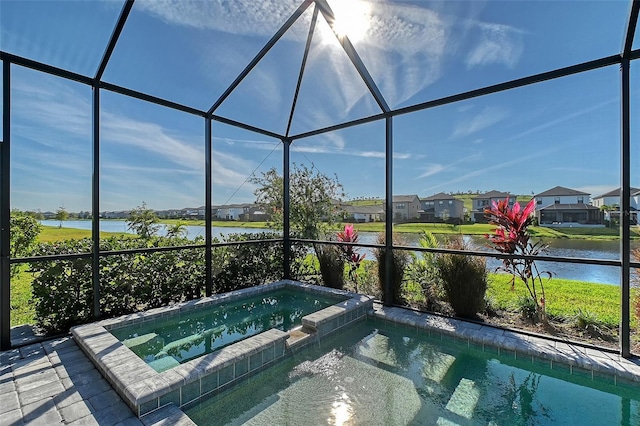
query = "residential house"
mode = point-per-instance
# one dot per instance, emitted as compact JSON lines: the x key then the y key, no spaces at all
{"x":194,"y":213}
{"x":122,"y":214}
{"x":611,"y":199}
{"x":360,"y":214}
{"x":406,"y":207}
{"x":484,"y":201}
{"x":565,"y":206}
{"x":169,"y":214}
{"x":442,"y":208}
{"x":232,"y":211}
{"x":254,"y":213}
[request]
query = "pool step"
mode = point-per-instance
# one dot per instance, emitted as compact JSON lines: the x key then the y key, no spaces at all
{"x":464,"y":399}
{"x":438,"y":366}
{"x":139,"y":340}
{"x":299,"y":337}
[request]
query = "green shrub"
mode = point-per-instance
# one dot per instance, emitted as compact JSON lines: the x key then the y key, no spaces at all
{"x":527,"y":308}
{"x":587,"y":320}
{"x":463,"y":279}
{"x":399,"y":261}
{"x":331,"y":262}
{"x":247,"y":265}
{"x":130,"y":282}
{"x":62,"y":289}
{"x":369,"y":282}
{"x":422,"y":270}
{"x":24,"y":230}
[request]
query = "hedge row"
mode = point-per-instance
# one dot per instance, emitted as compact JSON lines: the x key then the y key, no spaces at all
{"x":63,"y":290}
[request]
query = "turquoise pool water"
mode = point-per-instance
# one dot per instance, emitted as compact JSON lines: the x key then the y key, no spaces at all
{"x":376,"y":373}
{"x":173,"y":340}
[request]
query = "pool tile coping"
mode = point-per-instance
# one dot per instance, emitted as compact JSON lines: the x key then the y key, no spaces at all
{"x":146,"y":390}
{"x":545,"y":350}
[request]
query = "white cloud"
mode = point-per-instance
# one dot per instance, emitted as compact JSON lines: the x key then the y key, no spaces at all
{"x":56,"y":116}
{"x":248,"y":17}
{"x":497,"y":44}
{"x":332,"y":150}
{"x":405,"y":46}
{"x":505,"y":165}
{"x":563,"y":118}
{"x":430,"y":170}
{"x":485,"y":118}
{"x":152,"y":138}
{"x":51,"y":105}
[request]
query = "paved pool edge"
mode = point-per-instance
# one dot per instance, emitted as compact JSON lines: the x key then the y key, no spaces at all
{"x":146,"y":390}
{"x":508,"y":342}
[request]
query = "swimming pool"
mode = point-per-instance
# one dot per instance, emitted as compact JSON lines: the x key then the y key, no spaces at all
{"x":378,"y":373}
{"x":170,"y":341}
{"x":184,"y":372}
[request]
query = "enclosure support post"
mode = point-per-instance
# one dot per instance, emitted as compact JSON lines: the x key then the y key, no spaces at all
{"x":388,"y":273}
{"x":95,"y":202}
{"x":286,"y":242}
{"x":625,"y":216}
{"x":208,"y":182}
{"x":5,"y":213}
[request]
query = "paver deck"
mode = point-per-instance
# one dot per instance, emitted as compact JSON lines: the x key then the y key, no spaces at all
{"x":53,"y":383}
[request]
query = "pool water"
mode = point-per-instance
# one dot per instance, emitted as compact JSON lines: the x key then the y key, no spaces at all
{"x":379,"y":374}
{"x":173,"y":340}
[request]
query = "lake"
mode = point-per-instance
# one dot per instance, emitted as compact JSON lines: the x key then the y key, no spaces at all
{"x":558,"y":247}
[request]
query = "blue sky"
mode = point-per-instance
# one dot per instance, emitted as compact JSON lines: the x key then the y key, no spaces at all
{"x":562,"y":132}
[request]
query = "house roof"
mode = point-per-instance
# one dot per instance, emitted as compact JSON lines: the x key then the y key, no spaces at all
{"x":439,"y":196}
{"x":492,"y":194}
{"x":616,"y":193}
{"x":559,"y":191}
{"x":405,"y":198}
{"x":576,"y":206}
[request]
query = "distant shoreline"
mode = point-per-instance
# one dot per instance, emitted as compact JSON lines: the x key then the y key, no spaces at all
{"x":595,"y":234}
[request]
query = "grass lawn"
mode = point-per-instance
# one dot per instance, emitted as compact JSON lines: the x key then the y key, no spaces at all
{"x":483,"y":228}
{"x":370,"y":202}
{"x":217,"y":223}
{"x":434,"y":228}
{"x":50,"y":234}
{"x":563,"y":298}
{"x":22,"y":309}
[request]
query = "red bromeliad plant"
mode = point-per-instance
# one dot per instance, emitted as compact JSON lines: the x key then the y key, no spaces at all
{"x":512,"y":236}
{"x":350,"y":254}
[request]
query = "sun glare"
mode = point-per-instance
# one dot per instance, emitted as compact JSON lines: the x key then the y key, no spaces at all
{"x":352,"y":18}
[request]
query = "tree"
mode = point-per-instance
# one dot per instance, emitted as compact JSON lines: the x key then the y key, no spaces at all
{"x":61,"y":215}
{"x":143,"y":221}
{"x":311,"y":199}
{"x":178,"y":229}
{"x":24,"y":233}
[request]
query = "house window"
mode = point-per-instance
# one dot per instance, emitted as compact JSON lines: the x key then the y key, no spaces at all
{"x":440,"y":203}
{"x":450,"y":202}
{"x":400,"y":206}
{"x":580,"y":200}
{"x":556,"y":200}
{"x":539,"y":201}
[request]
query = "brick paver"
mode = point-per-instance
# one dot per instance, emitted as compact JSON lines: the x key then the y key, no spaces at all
{"x":52,"y":383}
